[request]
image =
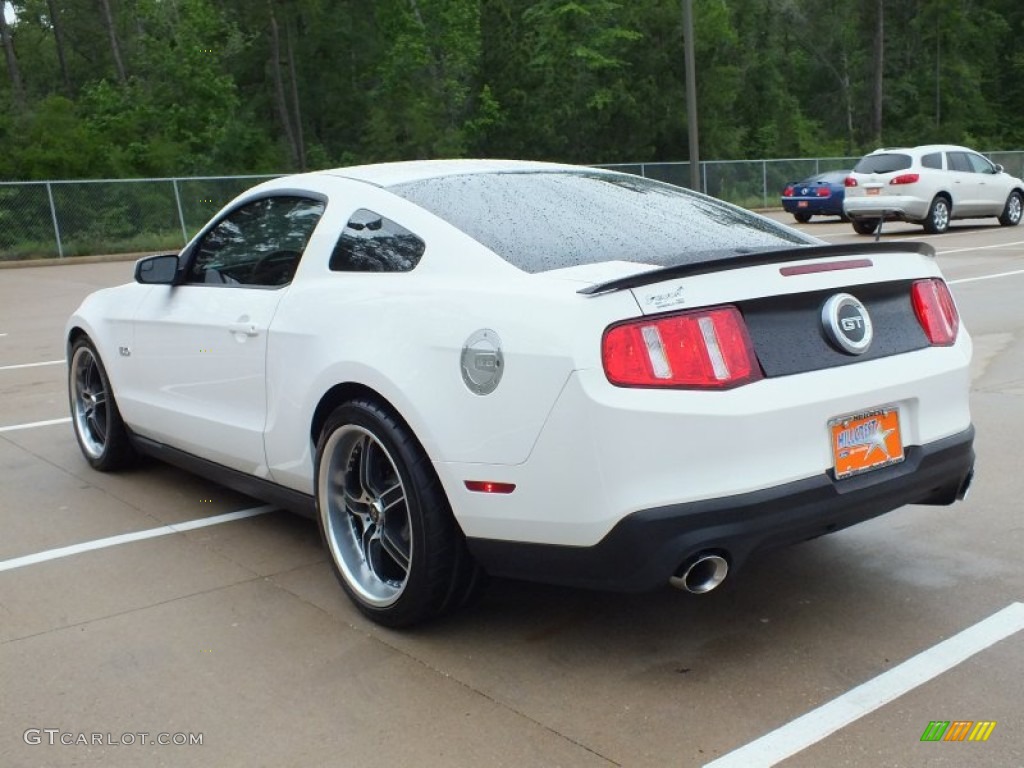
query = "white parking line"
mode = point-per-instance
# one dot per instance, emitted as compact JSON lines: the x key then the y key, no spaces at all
{"x":986,"y":277}
{"x":979,"y":248}
{"x":113,"y":541}
{"x":30,"y":365}
{"x":34,"y":424}
{"x":797,"y":735}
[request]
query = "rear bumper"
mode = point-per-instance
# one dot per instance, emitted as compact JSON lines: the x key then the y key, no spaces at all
{"x":817,"y":206}
{"x":647,"y":547}
{"x":901,"y":208}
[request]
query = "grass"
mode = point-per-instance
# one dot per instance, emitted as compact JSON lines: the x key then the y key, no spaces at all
{"x":167,"y":240}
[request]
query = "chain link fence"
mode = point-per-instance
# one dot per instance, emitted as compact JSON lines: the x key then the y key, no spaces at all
{"x":750,"y":183}
{"x":47,"y":219}
{"x":61,"y":219}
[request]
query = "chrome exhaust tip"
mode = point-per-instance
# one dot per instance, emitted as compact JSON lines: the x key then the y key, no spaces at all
{"x":701,"y":574}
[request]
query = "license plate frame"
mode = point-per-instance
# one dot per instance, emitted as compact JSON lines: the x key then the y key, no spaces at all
{"x":866,"y":441}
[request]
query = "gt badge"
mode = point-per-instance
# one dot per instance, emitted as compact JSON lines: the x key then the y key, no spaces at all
{"x":847,"y":324}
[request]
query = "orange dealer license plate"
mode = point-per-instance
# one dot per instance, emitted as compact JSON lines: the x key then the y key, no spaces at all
{"x":866,"y":441}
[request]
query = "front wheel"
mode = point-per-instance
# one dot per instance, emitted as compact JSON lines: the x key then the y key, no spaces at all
{"x":865,"y":226}
{"x":94,"y":415}
{"x":938,"y":217}
{"x":1011,"y":214}
{"x":394,"y":543}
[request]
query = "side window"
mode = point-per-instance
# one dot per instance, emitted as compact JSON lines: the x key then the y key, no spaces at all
{"x":979,"y":164}
{"x":259,"y":244}
{"x":372,"y":243}
{"x":958,"y":161}
{"x":932,"y":160}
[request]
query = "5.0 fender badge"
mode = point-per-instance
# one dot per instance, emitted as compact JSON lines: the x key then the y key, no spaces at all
{"x":847,"y":324}
{"x":482,"y":362}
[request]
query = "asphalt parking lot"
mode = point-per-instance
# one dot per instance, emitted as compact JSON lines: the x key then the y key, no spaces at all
{"x":119,"y":621}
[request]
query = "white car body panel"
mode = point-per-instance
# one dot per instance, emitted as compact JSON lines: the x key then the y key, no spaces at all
{"x":199,"y":372}
{"x":578,"y":483}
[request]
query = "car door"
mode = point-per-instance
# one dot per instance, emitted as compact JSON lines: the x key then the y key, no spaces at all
{"x":992,"y":192}
{"x":965,"y":187}
{"x":200,"y":346}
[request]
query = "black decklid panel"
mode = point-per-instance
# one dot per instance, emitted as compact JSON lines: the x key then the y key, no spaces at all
{"x":789,"y":337}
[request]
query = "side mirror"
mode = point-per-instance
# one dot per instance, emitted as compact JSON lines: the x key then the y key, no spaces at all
{"x":999,"y":168}
{"x":157,"y":270}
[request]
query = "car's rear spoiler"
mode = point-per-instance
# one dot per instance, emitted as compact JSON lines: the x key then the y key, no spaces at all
{"x":755,"y":259}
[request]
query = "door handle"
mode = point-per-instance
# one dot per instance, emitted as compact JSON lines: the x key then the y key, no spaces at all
{"x":244,"y":326}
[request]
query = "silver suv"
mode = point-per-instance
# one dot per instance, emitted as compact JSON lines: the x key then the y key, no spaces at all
{"x":930,"y":185}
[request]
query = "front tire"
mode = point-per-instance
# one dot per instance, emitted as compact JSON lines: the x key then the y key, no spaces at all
{"x":1011,"y":214}
{"x":385,"y":520}
{"x":100,"y":432}
{"x":938,"y":216}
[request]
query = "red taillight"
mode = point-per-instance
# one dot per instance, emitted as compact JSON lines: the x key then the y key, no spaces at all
{"x":788,"y":191}
{"x":823,"y":192}
{"x":935,"y":310}
{"x":906,"y":178}
{"x":704,"y":349}
{"x":849,"y":181}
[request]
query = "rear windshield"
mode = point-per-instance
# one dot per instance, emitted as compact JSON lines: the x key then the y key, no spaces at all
{"x":831,"y":177}
{"x":543,"y":220}
{"x":886,"y":163}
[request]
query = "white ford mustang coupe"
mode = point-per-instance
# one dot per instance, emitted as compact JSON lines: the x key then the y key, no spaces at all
{"x":535,"y":371}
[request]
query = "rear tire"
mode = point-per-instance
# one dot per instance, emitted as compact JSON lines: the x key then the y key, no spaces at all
{"x":100,"y":432}
{"x":938,"y":216}
{"x":865,"y":226}
{"x":1011,"y":214}
{"x":394,"y":543}
{"x":802,"y":218}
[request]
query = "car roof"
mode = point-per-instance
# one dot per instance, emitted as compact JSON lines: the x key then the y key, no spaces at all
{"x":924,"y":149}
{"x":390,"y":174}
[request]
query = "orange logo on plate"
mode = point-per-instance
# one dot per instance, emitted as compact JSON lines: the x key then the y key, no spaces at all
{"x":866,"y":441}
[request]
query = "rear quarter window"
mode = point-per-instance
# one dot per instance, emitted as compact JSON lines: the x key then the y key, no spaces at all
{"x":932,"y":160}
{"x":884,"y":163}
{"x":372,"y":243}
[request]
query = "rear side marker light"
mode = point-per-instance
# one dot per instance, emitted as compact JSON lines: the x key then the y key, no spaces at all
{"x":849,"y":181}
{"x":936,"y":311}
{"x":703,"y":349}
{"x":489,"y":486}
{"x":906,"y":178}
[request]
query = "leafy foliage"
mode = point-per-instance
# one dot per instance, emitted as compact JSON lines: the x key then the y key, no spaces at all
{"x":215,"y":87}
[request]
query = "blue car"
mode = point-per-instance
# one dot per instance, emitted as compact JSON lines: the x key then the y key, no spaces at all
{"x":820,"y":195}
